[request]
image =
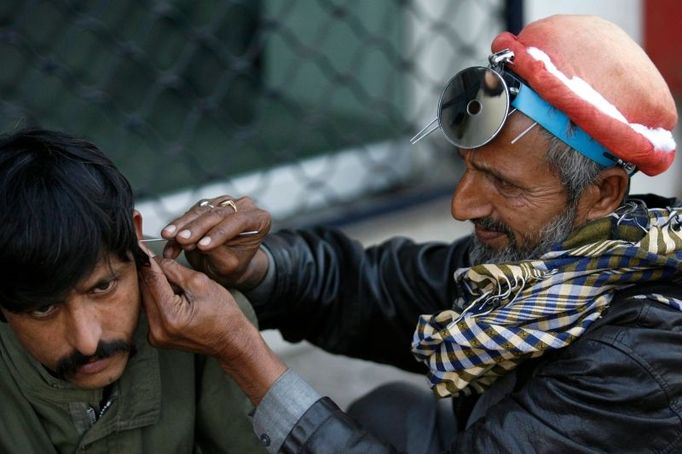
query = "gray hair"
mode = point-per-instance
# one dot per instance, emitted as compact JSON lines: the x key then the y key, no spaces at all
{"x":575,"y":170}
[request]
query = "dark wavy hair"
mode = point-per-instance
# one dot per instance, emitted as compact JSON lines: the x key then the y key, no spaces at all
{"x":64,"y":206}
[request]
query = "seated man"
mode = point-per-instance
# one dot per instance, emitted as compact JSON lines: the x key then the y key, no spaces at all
{"x":555,"y":327}
{"x":76,"y":371}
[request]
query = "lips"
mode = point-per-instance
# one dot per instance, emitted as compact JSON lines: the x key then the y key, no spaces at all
{"x":93,"y":367}
{"x":487,"y":236}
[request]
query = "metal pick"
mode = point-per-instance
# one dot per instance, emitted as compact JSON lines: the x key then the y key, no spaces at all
{"x":153,"y":240}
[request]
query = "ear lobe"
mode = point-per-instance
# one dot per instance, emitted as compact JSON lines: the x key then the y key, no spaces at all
{"x":137,"y":221}
{"x":607,"y":193}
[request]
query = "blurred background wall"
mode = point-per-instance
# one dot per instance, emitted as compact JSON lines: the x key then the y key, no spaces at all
{"x":304,"y":105}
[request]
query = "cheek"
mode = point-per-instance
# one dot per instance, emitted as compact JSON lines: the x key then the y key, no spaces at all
{"x":45,"y":343}
{"x":529,"y":212}
{"x":520,"y":203}
{"x":123,"y":314}
{"x":526,"y":220}
{"x":516,"y":212}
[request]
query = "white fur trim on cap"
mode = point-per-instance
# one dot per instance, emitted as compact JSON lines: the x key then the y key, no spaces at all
{"x":660,"y":138}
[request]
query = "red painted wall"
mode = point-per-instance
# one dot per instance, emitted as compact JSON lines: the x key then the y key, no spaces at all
{"x":663,"y":39}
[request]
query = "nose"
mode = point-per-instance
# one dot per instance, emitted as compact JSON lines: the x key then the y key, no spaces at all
{"x":470,"y":199}
{"x":84,"y":329}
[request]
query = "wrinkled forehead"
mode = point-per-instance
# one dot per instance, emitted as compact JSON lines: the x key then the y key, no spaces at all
{"x":517,"y":155}
{"x":519,"y":138}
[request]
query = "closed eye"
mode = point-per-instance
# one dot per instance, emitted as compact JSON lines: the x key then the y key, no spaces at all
{"x":504,"y":186}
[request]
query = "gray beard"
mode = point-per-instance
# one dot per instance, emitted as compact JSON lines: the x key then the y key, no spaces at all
{"x":556,"y":231}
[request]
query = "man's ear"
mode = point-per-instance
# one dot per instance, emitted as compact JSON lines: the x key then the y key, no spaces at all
{"x":605,"y":195}
{"x":137,"y":221}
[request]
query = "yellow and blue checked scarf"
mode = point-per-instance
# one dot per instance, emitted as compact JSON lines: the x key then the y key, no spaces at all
{"x":511,"y":312}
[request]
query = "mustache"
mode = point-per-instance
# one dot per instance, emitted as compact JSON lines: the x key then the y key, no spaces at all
{"x":494,"y":226}
{"x":69,"y":365}
{"x":532,"y":245}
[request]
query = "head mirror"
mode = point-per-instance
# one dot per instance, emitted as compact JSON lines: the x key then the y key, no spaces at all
{"x":473,"y":107}
{"x":476,"y":103}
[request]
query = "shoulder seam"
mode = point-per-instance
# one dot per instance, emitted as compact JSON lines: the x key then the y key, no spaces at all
{"x":645,"y":365}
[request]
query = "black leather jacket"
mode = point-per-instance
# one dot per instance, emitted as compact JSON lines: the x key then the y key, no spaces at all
{"x":618,"y":388}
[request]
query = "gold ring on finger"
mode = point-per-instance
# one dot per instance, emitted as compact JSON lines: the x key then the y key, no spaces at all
{"x":230,"y":203}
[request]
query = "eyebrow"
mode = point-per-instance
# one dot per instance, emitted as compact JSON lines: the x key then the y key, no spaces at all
{"x":489,"y":170}
{"x":112,"y":271}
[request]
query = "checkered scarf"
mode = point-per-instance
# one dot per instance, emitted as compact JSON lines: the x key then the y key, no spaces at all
{"x":510,"y":312}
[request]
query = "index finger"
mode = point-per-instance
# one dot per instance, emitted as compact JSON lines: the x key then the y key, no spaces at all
{"x":197,"y":210}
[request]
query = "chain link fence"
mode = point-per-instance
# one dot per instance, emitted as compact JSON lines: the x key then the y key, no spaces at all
{"x":304,"y":105}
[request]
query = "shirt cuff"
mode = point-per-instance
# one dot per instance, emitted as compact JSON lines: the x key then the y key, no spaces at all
{"x":284,"y":404}
{"x":262,"y":291}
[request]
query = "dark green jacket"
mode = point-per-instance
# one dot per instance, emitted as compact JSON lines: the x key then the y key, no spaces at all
{"x":165,"y":402}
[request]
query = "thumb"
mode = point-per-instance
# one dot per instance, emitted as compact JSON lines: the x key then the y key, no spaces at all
{"x":155,"y":289}
{"x":166,"y":302}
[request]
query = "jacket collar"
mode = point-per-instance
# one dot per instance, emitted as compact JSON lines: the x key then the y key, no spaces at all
{"x":136,"y":396}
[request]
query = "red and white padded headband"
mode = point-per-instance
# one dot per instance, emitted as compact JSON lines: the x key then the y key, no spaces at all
{"x":603,"y":81}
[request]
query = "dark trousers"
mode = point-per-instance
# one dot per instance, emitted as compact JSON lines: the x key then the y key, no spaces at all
{"x":409,"y":417}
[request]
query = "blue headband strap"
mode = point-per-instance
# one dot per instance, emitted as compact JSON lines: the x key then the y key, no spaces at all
{"x":558,"y":124}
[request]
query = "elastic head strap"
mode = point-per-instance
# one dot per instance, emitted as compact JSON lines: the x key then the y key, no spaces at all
{"x":559,"y":125}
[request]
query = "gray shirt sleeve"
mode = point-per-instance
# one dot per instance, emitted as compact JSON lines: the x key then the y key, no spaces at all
{"x":284,"y":404}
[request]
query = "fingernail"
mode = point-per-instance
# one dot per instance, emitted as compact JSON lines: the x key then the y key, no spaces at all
{"x":205,"y":241}
{"x":185,"y":234}
{"x":170,"y":229}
